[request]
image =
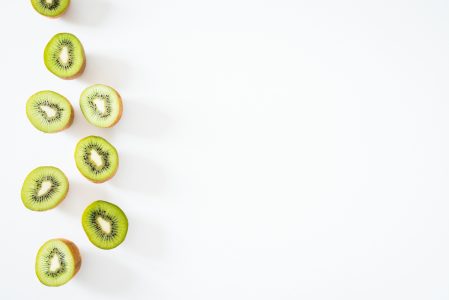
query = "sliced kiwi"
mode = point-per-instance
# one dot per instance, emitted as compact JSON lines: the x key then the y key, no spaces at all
{"x":101,"y":105}
{"x":49,"y":111}
{"x":44,"y":188}
{"x":51,"y":8}
{"x":96,"y":159}
{"x":57,"y":261}
{"x":105,"y":224}
{"x":64,"y":56}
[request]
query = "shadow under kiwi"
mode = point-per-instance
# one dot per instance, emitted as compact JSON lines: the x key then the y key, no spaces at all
{"x":88,"y":12}
{"x":104,"y":275}
{"x":80,"y":195}
{"x":139,"y":175}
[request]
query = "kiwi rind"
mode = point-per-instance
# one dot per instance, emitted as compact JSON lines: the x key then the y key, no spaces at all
{"x":64,"y":5}
{"x":119,"y":226}
{"x":115,"y":105}
{"x":71,"y":254}
{"x":49,"y":56}
{"x":87,"y":169}
{"x":54,"y":98}
{"x":29,"y":188}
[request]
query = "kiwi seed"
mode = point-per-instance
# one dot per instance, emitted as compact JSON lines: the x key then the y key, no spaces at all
{"x":105,"y":224}
{"x":96,"y":159}
{"x":51,"y":8}
{"x":44,"y":188}
{"x":64,"y":56}
{"x":57,"y":261}
{"x":101,"y":105}
{"x":49,"y":111}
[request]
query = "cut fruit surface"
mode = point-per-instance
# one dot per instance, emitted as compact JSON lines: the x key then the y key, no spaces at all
{"x":57,"y":261}
{"x":64,"y":56}
{"x":49,"y":111}
{"x":44,"y":188}
{"x":105,"y":224}
{"x":101,"y":105}
{"x":50,"y":8}
{"x":96,"y":159}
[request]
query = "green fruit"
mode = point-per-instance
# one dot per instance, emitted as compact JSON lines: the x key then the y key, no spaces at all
{"x":101,"y":105}
{"x":44,"y":188}
{"x":51,"y":8}
{"x":49,"y":111}
{"x":64,"y":56}
{"x":57,"y":261}
{"x":96,"y":159}
{"x":105,"y":224}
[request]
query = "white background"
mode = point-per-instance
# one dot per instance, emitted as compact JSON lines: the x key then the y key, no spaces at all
{"x":270,"y":149}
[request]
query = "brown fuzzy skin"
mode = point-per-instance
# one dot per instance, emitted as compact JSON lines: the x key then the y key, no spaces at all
{"x":75,"y":253}
{"x":120,"y":113}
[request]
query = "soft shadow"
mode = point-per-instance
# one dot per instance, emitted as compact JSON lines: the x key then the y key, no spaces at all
{"x":80,"y":195}
{"x":101,"y":69}
{"x":102,"y":274}
{"x":143,"y":120}
{"x":81,"y":128}
{"x":146,"y":239}
{"x":137,"y":174}
{"x":88,"y":12}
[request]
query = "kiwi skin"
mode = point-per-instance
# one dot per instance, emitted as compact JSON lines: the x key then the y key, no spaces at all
{"x":72,"y":117}
{"x":52,"y":17}
{"x":75,"y":253}
{"x":99,"y":181}
{"x":63,"y":197}
{"x":120,"y":112}
{"x":80,"y":72}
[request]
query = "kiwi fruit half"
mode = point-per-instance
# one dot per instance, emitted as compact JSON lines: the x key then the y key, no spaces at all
{"x":44,"y":188}
{"x":96,"y":159}
{"x":57,"y":261}
{"x":105,"y":224}
{"x":64,"y":56}
{"x":49,"y":111}
{"x":101,"y":105}
{"x":51,"y":8}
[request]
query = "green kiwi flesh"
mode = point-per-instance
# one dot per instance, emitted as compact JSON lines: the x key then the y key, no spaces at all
{"x":57,"y":261}
{"x":105,"y":224}
{"x":44,"y":188}
{"x":64,"y":56}
{"x":51,"y":8}
{"x":49,"y":111}
{"x":101,"y":105}
{"x":96,"y":159}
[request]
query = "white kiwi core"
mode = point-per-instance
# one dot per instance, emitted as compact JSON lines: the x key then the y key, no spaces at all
{"x":50,"y":112}
{"x":100,"y":105}
{"x":64,"y":55}
{"x":96,"y":158}
{"x":104,"y":225}
{"x":55,"y":264}
{"x":45,"y":188}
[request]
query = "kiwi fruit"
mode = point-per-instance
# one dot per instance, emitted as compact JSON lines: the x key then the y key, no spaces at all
{"x":57,"y":261}
{"x":51,"y":8}
{"x":105,"y":224}
{"x":49,"y":111}
{"x":64,"y":56}
{"x":44,"y":188}
{"x":96,"y":159}
{"x":101,"y":105}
